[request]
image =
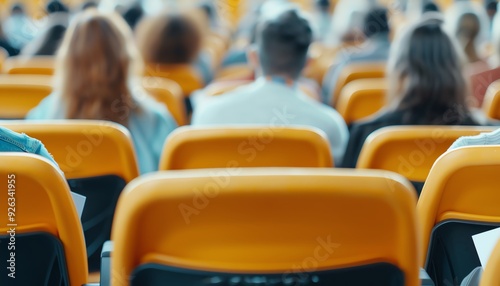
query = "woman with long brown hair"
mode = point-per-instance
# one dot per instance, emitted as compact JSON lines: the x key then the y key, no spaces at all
{"x":427,"y":86}
{"x":95,"y":79}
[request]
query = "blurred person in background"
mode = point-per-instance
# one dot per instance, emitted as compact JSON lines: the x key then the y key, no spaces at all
{"x":47,"y":42}
{"x":468,"y":22}
{"x":280,"y":55}
{"x":133,"y":15}
{"x":19,"y":28}
{"x":426,"y":85}
{"x":375,"y":48}
{"x":4,"y":44}
{"x":172,"y":39}
{"x":97,"y":78}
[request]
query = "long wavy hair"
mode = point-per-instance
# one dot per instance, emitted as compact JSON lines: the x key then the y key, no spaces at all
{"x":425,"y":75}
{"x":96,"y":63}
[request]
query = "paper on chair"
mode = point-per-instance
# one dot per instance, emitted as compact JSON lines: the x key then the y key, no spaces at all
{"x":485,"y":243}
{"x":79,"y":201}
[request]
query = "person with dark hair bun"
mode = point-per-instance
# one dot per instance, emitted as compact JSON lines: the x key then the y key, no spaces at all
{"x":280,"y":55}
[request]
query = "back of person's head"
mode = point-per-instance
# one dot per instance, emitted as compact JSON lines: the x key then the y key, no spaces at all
{"x":425,"y":75}
{"x":469,"y":22}
{"x":376,"y":22}
{"x":17,"y":9}
{"x":88,"y":5}
{"x":348,"y":21}
{"x":283,"y":43}
{"x":95,"y":62}
{"x":169,"y":39}
{"x":56,"y":6}
{"x":133,"y":15}
{"x":430,"y":7}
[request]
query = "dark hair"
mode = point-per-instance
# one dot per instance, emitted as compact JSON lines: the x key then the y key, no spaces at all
{"x":56,"y":7}
{"x":492,"y":6}
{"x":133,"y":15}
{"x":87,"y":5}
{"x":52,"y":39}
{"x":171,"y":39}
{"x":430,"y":7}
{"x":17,"y":8}
{"x":376,"y":22}
{"x":323,"y":3}
{"x":426,"y":76}
{"x":283,"y":43}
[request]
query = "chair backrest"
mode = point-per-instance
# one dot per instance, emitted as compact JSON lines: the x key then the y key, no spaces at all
{"x":354,"y":71}
{"x":411,"y":150}
{"x":236,"y":72}
{"x":169,"y":93}
{"x":459,"y":199}
{"x":491,"y":275}
{"x":283,"y":226}
{"x":40,"y":223}
{"x":362,"y":98}
{"x":38,"y":65}
{"x":245,"y":146}
{"x":20,"y":93}
{"x":185,"y":75}
{"x":491,"y":103}
{"x":98,"y":159}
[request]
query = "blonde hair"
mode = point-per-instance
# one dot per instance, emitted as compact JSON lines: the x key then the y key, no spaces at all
{"x":96,"y":61}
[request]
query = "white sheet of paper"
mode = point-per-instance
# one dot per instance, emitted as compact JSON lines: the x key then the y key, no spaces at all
{"x":485,"y":243}
{"x":79,"y":201}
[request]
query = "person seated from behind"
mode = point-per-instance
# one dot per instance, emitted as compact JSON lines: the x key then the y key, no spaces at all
{"x":280,"y":57}
{"x":430,"y":7}
{"x":49,"y":40}
{"x":4,"y":44}
{"x":469,"y":23}
{"x":422,"y":90}
{"x":171,"y":39}
{"x":95,"y":72}
{"x":376,"y":48}
{"x":19,"y":29}
{"x":11,"y":141}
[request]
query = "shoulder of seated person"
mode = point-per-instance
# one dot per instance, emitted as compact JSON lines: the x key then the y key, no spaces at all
{"x":19,"y":140}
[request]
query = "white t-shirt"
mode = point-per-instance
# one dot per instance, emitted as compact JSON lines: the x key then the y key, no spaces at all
{"x":270,"y":103}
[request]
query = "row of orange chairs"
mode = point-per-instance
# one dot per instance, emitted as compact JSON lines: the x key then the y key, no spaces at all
{"x":241,"y":222}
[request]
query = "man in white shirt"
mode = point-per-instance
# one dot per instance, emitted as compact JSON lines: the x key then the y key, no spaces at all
{"x":274,"y":99}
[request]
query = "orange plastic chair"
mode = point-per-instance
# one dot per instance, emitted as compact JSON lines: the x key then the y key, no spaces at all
{"x":491,"y":103}
{"x":362,"y":98}
{"x":356,"y":71}
{"x":185,"y":75}
{"x":169,"y":93}
{"x":268,"y":225}
{"x":245,"y":146}
{"x":20,"y":93}
{"x":39,"y":65}
{"x":97,"y":158}
{"x":491,"y":276}
{"x":459,"y":199}
{"x":411,"y":150}
{"x":40,"y":227}
{"x":235,"y":73}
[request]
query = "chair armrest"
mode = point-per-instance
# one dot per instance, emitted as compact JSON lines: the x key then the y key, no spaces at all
{"x":107,"y":249}
{"x":425,"y":279}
